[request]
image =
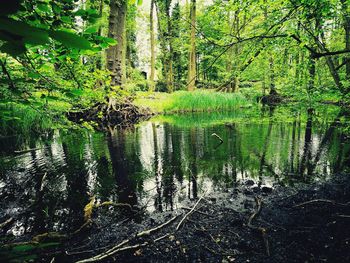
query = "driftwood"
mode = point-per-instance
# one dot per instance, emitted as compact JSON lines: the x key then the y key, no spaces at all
{"x":261,"y":230}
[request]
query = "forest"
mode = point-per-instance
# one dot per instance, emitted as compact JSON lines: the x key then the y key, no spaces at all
{"x":175,"y":130}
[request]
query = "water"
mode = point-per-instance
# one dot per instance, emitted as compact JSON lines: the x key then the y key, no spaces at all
{"x":160,"y":164}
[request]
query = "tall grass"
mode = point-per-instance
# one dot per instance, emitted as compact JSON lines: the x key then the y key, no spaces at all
{"x":197,"y":101}
{"x":22,"y":119}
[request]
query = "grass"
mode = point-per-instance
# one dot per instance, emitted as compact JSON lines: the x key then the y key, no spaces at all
{"x":22,"y":119}
{"x":197,"y":101}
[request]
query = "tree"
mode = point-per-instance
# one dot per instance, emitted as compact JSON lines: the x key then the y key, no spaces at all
{"x":166,"y":41}
{"x":153,"y":52}
{"x":116,"y":27}
{"x":191,"y":84}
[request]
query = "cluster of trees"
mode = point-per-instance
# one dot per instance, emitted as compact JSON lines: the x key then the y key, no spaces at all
{"x":85,"y":50}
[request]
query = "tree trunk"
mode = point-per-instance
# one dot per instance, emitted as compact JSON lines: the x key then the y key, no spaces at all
{"x":116,"y":29}
{"x":347,"y":35}
{"x":99,"y":33}
{"x":153,"y":55}
{"x":192,"y":57}
{"x":312,"y":73}
{"x":272,"y":76}
{"x":165,"y":32}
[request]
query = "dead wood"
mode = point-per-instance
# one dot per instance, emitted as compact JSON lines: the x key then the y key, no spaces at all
{"x":189,"y":213}
{"x":120,"y":247}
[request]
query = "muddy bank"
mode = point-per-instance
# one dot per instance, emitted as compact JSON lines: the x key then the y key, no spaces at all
{"x":247,"y":224}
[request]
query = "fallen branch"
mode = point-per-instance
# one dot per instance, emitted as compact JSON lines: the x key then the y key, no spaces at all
{"x":150,"y":231}
{"x":189,"y":213}
{"x":321,"y":201}
{"x":120,"y":247}
{"x":261,"y":230}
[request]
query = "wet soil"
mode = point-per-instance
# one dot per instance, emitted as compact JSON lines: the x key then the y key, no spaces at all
{"x":223,"y":227}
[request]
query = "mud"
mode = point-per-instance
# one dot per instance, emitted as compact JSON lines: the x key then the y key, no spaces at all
{"x":217,"y":231}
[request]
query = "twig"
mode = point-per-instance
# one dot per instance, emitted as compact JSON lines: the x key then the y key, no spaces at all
{"x":189,"y":213}
{"x":42,"y":182}
{"x":150,"y":231}
{"x":119,"y":247}
{"x":321,"y":201}
{"x":259,"y":229}
{"x":217,"y":136}
{"x":197,"y":211}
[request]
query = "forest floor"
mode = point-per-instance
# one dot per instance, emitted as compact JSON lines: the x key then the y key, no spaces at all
{"x":248,"y":224}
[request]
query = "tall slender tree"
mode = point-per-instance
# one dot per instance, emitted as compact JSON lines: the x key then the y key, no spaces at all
{"x":192,"y":72}
{"x":153,"y":51}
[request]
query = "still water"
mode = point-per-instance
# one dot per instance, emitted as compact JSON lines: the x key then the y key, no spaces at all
{"x":160,"y":164}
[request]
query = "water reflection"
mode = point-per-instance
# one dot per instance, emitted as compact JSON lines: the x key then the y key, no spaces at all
{"x":157,"y":166}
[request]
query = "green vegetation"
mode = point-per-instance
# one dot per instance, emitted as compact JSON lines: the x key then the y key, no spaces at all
{"x":184,"y":101}
{"x":62,"y":56}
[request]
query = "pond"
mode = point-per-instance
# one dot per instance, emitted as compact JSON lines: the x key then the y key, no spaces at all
{"x":46,"y":181}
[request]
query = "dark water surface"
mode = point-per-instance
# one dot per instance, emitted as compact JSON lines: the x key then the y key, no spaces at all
{"x":161,"y":163}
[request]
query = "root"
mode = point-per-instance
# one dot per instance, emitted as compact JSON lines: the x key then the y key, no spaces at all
{"x":110,"y":113}
{"x":261,"y":230}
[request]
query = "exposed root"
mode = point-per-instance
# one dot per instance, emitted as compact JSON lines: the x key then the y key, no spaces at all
{"x":110,"y":113}
{"x":261,"y":230}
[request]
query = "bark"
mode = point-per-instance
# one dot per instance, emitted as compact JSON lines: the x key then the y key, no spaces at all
{"x":345,"y":8}
{"x":272,"y":76}
{"x":116,"y":27}
{"x":99,"y":33}
{"x":312,"y":73}
{"x":7,"y":74}
{"x":192,"y":56}
{"x":165,"y":32}
{"x":153,"y":55}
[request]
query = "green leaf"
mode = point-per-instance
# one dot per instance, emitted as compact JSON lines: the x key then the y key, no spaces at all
{"x":110,"y":41}
{"x":18,"y":30}
{"x":66,"y":19}
{"x":70,"y":40}
{"x":13,"y":49}
{"x":44,"y":7}
{"x":91,"y":30}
